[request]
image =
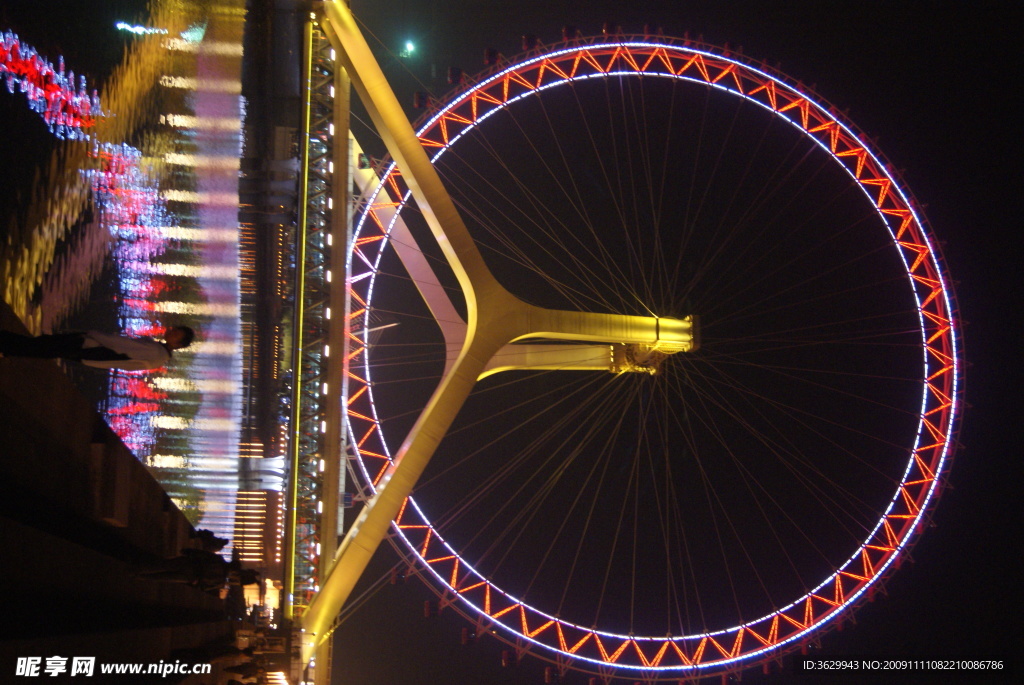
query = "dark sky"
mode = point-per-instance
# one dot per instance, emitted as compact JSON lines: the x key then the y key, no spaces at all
{"x":933,"y":82}
{"x":929,"y":84}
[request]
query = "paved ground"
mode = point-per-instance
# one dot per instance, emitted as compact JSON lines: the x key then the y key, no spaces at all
{"x":79,"y":516}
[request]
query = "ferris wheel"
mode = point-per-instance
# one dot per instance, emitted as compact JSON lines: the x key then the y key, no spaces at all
{"x":719,"y":494}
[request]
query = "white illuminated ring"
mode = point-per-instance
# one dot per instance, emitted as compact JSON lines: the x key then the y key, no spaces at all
{"x":783,"y":627}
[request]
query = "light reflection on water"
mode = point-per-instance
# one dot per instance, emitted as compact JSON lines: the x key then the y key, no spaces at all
{"x":147,"y":191}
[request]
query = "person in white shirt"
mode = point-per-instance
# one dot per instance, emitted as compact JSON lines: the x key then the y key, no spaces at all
{"x":101,"y":350}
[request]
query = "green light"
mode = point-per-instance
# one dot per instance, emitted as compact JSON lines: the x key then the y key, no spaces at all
{"x":408,"y":50}
{"x":409,"y":47}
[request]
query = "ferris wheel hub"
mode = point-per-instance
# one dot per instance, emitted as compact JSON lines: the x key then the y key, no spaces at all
{"x":674,"y":335}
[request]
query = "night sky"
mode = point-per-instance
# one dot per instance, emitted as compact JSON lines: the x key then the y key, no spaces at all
{"x":933,"y":83}
{"x":928,"y":85}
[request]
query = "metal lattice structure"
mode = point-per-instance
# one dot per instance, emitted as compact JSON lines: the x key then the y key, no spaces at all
{"x":313,"y":422}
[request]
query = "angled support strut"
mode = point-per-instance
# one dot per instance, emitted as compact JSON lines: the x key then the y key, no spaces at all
{"x":496,"y":320}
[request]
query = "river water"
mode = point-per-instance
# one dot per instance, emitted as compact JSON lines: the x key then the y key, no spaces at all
{"x":137,"y":227}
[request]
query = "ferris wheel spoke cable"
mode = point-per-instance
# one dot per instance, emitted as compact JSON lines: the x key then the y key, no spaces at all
{"x":728,"y":235}
{"x":640,"y":179}
{"x":583,"y":399}
{"x":615,"y":185}
{"x":688,"y":227}
{"x":652,"y":454}
{"x":735,"y":361}
{"x":823,"y":289}
{"x":614,"y":546}
{"x":411,"y":345}
{"x":453,"y":291}
{"x":788,"y":454}
{"x":738,"y":465}
{"x":793,"y":413}
{"x":740,"y":350}
{"x":709,"y":181}
{"x":754,"y":206}
{"x":707,"y":399}
{"x":546,"y":401}
{"x":387,"y":417}
{"x":411,"y":360}
{"x":414,"y":355}
{"x":668,"y":506}
{"x":713,"y":427}
{"x":648,"y":198}
{"x":762,"y":354}
{"x":767,"y":254}
{"x":604,"y":454}
{"x":821,"y":420}
{"x":769,"y":190}
{"x":817,"y":335}
{"x":406,"y":315}
{"x":797,"y":303}
{"x":605,"y":464}
{"x":353,"y":606}
{"x":514,"y":252}
{"x":711,"y":498}
{"x":599,"y":456}
{"x":610,"y":260}
{"x":578,"y":204}
{"x":656,"y":184}
{"x":824,"y":497}
{"x":666,"y":279}
{"x":686,"y":431}
{"x":634,"y":538}
{"x":570,"y":194}
{"x":606,"y":413}
{"x":562,"y":397}
{"x":748,"y":477}
{"x":441,"y":263}
{"x":710,"y":508}
{"x":503,"y":232}
{"x":567,"y":430}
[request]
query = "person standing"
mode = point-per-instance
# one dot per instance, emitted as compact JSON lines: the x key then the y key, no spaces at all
{"x":98,"y":349}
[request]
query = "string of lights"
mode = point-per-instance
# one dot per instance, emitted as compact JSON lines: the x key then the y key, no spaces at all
{"x":64,"y":102}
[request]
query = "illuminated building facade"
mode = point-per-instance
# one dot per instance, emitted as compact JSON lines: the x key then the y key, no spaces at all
{"x":258,"y":528}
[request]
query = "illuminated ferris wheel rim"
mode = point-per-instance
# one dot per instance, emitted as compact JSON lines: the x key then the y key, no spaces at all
{"x":941,"y":365}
